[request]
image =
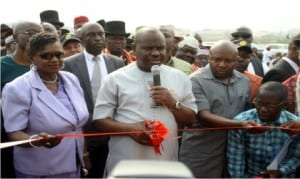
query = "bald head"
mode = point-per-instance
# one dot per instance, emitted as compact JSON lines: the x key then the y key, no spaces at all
{"x":24,"y":25}
{"x":224,"y":45}
{"x":146,"y":30}
{"x":85,"y":28}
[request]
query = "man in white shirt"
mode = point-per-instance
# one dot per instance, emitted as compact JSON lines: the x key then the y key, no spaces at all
{"x":125,"y":101}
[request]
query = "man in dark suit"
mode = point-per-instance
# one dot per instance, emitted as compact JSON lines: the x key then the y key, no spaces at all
{"x":288,"y":66}
{"x":82,"y":65}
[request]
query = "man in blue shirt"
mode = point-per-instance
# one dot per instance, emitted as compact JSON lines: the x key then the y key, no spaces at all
{"x":249,"y":154}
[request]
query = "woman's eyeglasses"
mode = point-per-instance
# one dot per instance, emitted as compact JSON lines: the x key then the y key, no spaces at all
{"x":50,"y":55}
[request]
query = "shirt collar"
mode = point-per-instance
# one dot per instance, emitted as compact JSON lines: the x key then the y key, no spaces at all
{"x":89,"y":56}
{"x":207,"y":73}
{"x":171,"y":61}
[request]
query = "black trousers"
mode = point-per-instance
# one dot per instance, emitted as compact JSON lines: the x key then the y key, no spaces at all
{"x":7,"y":166}
{"x":98,"y":149}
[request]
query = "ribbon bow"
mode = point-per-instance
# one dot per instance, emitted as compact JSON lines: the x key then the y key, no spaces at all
{"x":158,"y":132}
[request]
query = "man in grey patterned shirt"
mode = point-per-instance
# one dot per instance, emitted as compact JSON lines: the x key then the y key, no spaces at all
{"x":221,"y":92}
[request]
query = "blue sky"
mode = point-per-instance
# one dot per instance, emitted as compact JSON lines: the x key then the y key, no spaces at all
{"x":269,"y":15}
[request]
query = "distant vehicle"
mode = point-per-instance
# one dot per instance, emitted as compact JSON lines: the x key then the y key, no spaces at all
{"x":277,"y":47}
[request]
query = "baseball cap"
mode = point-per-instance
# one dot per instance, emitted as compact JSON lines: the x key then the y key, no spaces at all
{"x":243,"y":44}
{"x":69,"y":37}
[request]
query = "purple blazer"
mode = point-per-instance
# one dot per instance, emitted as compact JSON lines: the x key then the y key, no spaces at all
{"x":28,"y":105}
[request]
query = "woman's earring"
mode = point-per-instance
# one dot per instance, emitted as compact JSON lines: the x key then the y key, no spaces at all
{"x":33,"y":67}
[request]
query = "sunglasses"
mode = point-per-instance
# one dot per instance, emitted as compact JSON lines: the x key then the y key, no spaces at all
{"x":50,"y":55}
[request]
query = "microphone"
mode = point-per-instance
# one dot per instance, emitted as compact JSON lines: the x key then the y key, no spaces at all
{"x":155,"y":69}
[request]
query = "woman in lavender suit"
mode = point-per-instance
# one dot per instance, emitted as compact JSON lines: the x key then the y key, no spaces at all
{"x":44,"y":103}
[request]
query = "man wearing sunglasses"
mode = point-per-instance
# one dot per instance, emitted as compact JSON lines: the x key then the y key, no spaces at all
{"x":255,"y":66}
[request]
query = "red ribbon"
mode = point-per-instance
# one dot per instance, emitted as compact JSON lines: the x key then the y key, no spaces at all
{"x":158,"y":132}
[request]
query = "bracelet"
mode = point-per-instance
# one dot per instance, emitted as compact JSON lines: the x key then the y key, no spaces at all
{"x":30,"y":140}
{"x":86,"y":154}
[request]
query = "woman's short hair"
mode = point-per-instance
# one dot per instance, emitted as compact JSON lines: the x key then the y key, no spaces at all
{"x":39,"y":41}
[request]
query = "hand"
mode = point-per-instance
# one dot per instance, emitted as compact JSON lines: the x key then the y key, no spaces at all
{"x":162,"y":96}
{"x":271,"y":174}
{"x":291,"y":127}
{"x":141,"y":137}
{"x":47,"y":140}
{"x":87,"y":162}
{"x":253,"y":127}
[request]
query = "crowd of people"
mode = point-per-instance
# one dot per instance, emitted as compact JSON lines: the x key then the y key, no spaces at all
{"x":94,"y":78}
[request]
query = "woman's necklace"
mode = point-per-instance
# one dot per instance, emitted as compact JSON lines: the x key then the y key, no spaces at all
{"x":50,"y":82}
